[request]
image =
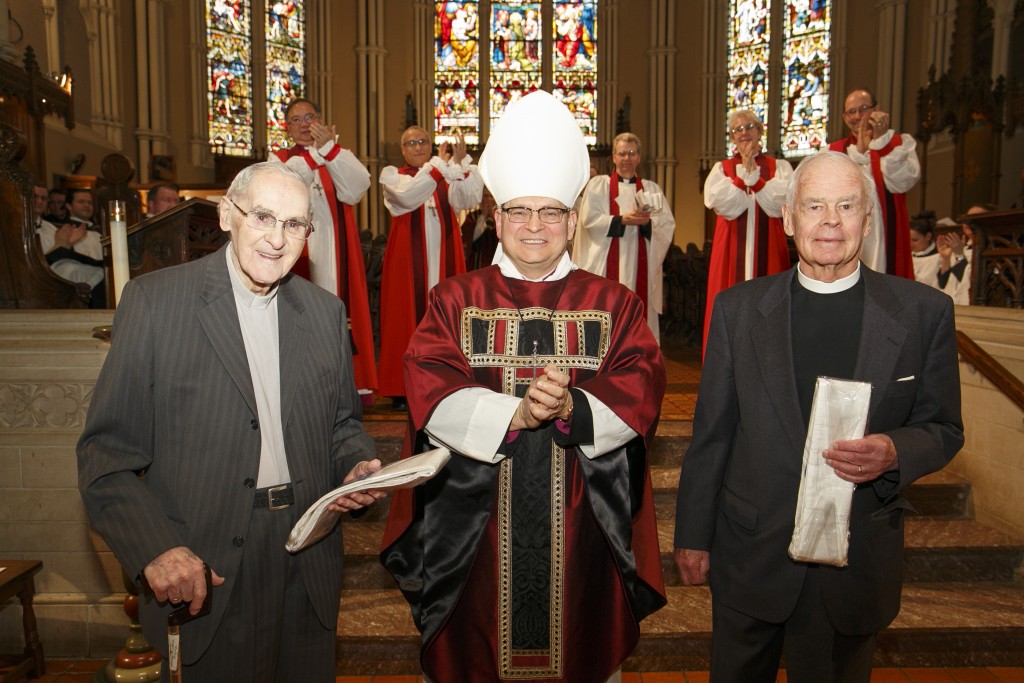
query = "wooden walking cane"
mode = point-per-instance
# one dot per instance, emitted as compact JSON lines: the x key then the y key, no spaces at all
{"x":175,"y":619}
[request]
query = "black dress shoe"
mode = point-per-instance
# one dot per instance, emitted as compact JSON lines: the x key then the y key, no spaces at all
{"x":398,"y":404}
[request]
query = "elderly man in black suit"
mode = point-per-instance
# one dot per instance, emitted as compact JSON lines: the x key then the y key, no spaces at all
{"x":770,"y":339}
{"x":229,"y":384}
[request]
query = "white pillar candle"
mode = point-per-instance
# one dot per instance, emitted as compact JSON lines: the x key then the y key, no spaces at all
{"x":118,"y":246}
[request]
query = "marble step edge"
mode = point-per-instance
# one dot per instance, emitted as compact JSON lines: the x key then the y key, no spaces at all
{"x":938,"y":626}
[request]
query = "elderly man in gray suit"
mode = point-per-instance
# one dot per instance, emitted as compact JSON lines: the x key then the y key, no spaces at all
{"x":229,"y":388}
{"x":770,"y":339}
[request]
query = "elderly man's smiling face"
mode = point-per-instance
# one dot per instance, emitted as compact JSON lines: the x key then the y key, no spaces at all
{"x":263,"y":257}
{"x":416,"y":147}
{"x":829,"y":218}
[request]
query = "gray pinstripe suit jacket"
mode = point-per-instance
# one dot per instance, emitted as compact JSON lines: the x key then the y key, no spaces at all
{"x":175,"y":399}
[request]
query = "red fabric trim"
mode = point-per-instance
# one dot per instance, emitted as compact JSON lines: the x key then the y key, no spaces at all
{"x":398,"y":307}
{"x":350,"y":270}
{"x":612,"y":262}
{"x":728,"y":246}
{"x":335,"y":151}
{"x":895,"y":141}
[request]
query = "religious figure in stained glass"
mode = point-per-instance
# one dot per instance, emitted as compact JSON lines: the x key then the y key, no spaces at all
{"x":230,"y":79}
{"x":803,"y":65}
{"x":456,"y":71}
{"x":510,"y":35}
{"x":806,"y":43}
{"x":574,"y":62}
{"x":285,"y":33}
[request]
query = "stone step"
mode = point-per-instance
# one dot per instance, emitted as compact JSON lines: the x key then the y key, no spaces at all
{"x":939,"y":495}
{"x":936,"y":550}
{"x":949,"y":625}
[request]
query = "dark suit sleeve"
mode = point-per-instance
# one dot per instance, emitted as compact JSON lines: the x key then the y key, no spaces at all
{"x":933,"y":433}
{"x":116,"y":444}
{"x":714,"y":423}
{"x":350,"y":443}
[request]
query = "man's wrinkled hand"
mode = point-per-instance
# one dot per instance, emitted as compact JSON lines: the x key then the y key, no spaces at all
{"x":862,"y":460}
{"x":693,"y":565}
{"x":178,"y":575}
{"x":355,"y":501}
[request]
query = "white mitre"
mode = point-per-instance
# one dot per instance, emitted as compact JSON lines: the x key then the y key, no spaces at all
{"x":536,"y":149}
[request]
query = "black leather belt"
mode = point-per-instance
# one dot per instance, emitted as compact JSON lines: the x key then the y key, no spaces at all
{"x":274,"y":497}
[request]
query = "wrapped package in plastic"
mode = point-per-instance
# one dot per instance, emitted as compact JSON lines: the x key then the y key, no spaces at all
{"x":821,"y":531}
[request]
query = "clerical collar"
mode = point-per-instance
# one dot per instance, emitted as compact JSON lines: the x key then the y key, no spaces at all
{"x":628,"y":181}
{"x":819,"y":287}
{"x":930,"y":251}
{"x":509,"y":270}
{"x":243,"y":295}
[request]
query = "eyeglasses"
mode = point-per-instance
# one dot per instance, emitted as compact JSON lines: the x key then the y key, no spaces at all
{"x":853,"y":111}
{"x":628,"y":153}
{"x":307,"y":118}
{"x":547,"y":214}
{"x":742,"y":128}
{"x":415,"y":143}
{"x":260,"y":219}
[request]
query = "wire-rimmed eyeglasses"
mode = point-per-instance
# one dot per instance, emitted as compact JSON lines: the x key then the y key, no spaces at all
{"x":261,"y":219}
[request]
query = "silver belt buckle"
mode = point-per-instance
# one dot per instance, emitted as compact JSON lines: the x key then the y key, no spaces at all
{"x":270,"y":497}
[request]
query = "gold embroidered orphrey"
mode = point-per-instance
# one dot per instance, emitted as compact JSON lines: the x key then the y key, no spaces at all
{"x":588,"y":356}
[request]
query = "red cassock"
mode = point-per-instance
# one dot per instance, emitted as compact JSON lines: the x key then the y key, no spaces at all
{"x":898,"y":258}
{"x":350,"y":267}
{"x":404,"y":286}
{"x":729,"y":246}
{"x":539,"y":566}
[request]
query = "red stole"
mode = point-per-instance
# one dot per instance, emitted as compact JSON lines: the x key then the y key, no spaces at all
{"x":612,"y":264}
{"x":895,"y":220}
{"x":727,"y":264}
{"x":404,"y":286}
{"x":350,"y":270}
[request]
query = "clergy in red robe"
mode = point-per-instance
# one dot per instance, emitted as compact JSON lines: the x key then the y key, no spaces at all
{"x":333,"y":258}
{"x":425,"y":241}
{"x":890,"y":159}
{"x":534,"y":555}
{"x":746,"y":191}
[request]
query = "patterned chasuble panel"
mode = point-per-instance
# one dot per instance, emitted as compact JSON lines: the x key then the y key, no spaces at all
{"x":532,"y":482}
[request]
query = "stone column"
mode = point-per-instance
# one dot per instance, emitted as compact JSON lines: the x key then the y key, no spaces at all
{"x":199,"y":142}
{"x":892,"y":39}
{"x":153,"y":82}
{"x":607,"y":78}
{"x":661,"y":60}
{"x":372,"y":131}
{"x":101,"y":34}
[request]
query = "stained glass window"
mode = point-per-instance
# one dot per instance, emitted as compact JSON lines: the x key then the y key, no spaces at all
{"x":229,"y":69}
{"x":805,"y":76}
{"x":457,"y":71}
{"x":252,"y":72}
{"x":574,"y":62}
{"x":470,"y":93}
{"x":800,"y":71}
{"x":749,"y":37}
{"x":285,"y":66}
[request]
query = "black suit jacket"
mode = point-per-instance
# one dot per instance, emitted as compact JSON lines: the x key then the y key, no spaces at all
{"x":175,"y":398}
{"x":738,"y":486}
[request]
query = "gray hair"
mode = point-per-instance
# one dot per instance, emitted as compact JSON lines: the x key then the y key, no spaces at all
{"x":748,"y":114}
{"x":245,"y":178}
{"x":867,"y":185}
{"x":626,"y":137}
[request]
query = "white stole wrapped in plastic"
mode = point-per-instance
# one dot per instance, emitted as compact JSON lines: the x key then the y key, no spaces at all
{"x":821,"y":532}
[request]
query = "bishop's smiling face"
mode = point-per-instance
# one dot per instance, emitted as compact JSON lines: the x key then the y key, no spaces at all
{"x":535,"y":247}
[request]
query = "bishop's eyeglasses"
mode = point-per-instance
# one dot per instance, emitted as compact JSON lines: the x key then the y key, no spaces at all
{"x":547,"y":214}
{"x":263,"y":220}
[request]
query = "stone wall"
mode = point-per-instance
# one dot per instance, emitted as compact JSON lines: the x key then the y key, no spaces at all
{"x":48,"y":366}
{"x":993,"y":455}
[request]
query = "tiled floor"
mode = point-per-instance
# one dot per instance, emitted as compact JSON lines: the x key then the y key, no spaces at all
{"x":62,"y":671}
